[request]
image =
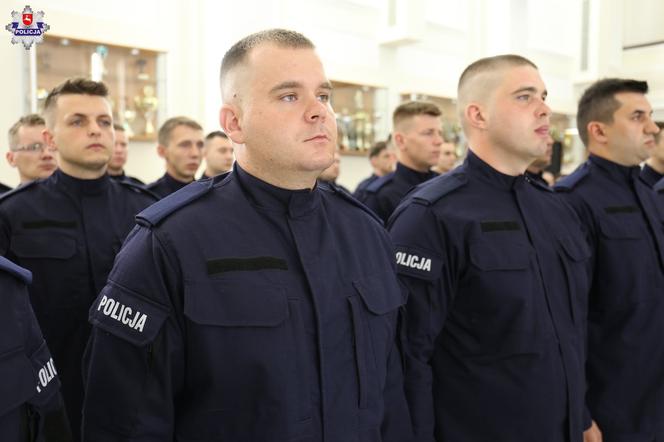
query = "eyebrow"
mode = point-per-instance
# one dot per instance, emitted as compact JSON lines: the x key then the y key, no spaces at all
{"x":78,"y":114}
{"x":296,"y":84}
{"x":531,"y":89}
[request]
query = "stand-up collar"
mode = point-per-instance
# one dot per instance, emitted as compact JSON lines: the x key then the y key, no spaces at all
{"x":477,"y":167}
{"x":79,"y":187}
{"x":616,"y":171}
{"x":172,"y":183}
{"x":294,"y":202}
{"x":412,"y":176}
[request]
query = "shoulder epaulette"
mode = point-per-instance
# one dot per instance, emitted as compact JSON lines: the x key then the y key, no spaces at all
{"x":351,"y":199}
{"x":431,"y":191}
{"x":569,"y":182}
{"x":137,"y":188}
{"x":24,"y":275}
{"x":175,"y":201}
{"x":18,"y":189}
{"x":539,"y":185}
{"x":659,"y":186}
{"x":379,"y":182}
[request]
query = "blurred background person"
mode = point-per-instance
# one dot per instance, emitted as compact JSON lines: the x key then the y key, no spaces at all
{"x":115,"y":167}
{"x":218,"y":154}
{"x":28,"y":152}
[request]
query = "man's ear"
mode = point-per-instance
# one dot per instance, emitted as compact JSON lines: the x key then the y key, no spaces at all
{"x":475,"y":115}
{"x":229,"y":119}
{"x":161,"y":150}
{"x":49,"y":139}
{"x":10,"y":158}
{"x":597,"y":132}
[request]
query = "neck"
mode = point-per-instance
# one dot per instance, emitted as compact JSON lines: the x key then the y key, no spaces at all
{"x":499,"y":158}
{"x":114,"y":172}
{"x":178,"y":177}
{"x":80,"y":172}
{"x":409,"y":163}
{"x":280,"y":178}
{"x":534,"y":169}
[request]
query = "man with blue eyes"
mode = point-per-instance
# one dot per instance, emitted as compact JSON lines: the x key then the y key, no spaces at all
{"x":27,"y":151}
{"x":624,"y":219}
{"x":497,"y":271}
{"x":67,"y":228}
{"x":256,"y":305}
{"x":181,"y":146}
{"x":418,"y":136}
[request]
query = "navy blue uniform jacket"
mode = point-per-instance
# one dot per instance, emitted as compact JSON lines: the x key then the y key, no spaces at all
{"x":497,"y":272}
{"x":238,"y":311}
{"x":625,"y":222}
{"x":67,"y":232}
{"x":384,"y":194}
{"x":29,"y":385}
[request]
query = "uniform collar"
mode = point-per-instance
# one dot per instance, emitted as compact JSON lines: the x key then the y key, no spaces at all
{"x":172,"y":183}
{"x":294,"y":202}
{"x":79,"y":186}
{"x":614,"y":170}
{"x":412,"y":176}
{"x":477,"y":167}
{"x":650,"y":175}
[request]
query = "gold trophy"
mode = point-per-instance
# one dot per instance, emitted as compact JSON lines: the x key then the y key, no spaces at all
{"x":147,"y":106}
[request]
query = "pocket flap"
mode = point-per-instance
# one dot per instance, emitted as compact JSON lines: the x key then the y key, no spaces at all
{"x":127,"y":315}
{"x":18,"y":383}
{"x":618,"y":227}
{"x":381,"y":294}
{"x":575,"y":250}
{"x":39,"y":245}
{"x":235,"y":302}
{"x":499,"y":256}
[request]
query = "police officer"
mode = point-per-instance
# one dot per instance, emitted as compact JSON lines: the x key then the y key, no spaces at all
{"x":653,"y":169}
{"x":218,"y":154}
{"x":118,"y":160}
{"x":181,"y":146}
{"x":67,"y":228}
{"x":382,"y":161}
{"x":248,"y":308}
{"x":418,"y":136}
{"x":497,"y":272}
{"x":31,"y":407}
{"x":626,"y":306}
{"x":27,"y":151}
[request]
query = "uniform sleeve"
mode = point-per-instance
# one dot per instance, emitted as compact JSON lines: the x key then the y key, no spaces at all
{"x":5,"y":231}
{"x":422,"y":269}
{"x":132,"y":365}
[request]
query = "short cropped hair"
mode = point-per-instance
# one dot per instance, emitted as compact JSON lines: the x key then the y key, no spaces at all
{"x":598,"y":102}
{"x":377,"y":148}
{"x":30,"y":120}
{"x":118,"y":127}
{"x":164,"y":135}
{"x":74,"y":86}
{"x":411,"y":109}
{"x":469,"y":89}
{"x":216,"y":133}
{"x":281,"y":37}
{"x":658,"y":135}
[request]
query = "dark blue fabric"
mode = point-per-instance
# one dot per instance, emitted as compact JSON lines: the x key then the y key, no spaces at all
{"x":67,"y":232}
{"x":650,"y":175}
{"x":165,"y":185}
{"x":295,"y":341}
{"x":28,"y":378}
{"x":624,"y":218}
{"x":362,"y":187}
{"x":497,"y":271}
{"x":384,"y":194}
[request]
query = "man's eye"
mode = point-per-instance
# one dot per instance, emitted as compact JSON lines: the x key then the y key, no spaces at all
{"x":325,"y":98}
{"x":105,"y":123}
{"x":289,"y":97}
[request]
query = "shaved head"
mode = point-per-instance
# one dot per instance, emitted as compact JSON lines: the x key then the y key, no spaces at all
{"x":480,"y":79}
{"x":238,"y":55}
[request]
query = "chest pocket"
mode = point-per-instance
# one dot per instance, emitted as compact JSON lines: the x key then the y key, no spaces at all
{"x":625,"y":227}
{"x":17,"y":381}
{"x":53,"y":245}
{"x":374,"y":311}
{"x":574,"y":257}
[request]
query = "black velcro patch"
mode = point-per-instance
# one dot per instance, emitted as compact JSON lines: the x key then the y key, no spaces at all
{"x":621,"y":209}
{"x":499,"y":226}
{"x":223,"y":265}
{"x":46,"y":223}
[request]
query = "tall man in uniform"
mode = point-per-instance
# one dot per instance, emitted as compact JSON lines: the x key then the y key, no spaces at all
{"x":31,"y":408}
{"x":218,"y":154}
{"x":27,"y":151}
{"x":418,"y":136}
{"x":181,"y":146}
{"x":497,"y":272}
{"x":626,"y":305}
{"x":67,"y":228}
{"x":653,"y":169}
{"x":249,"y":308}
{"x":118,"y":160}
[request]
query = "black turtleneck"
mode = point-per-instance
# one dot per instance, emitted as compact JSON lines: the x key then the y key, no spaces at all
{"x":165,"y":185}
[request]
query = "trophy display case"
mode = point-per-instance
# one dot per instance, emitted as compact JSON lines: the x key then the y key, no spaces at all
{"x":131,"y":75}
{"x":361,"y":116}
